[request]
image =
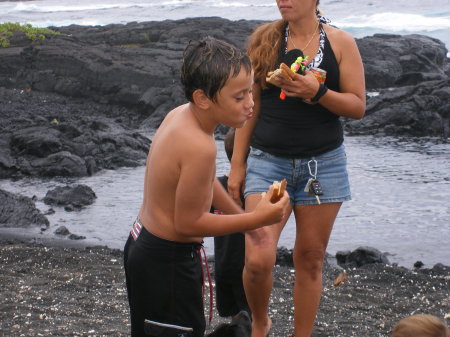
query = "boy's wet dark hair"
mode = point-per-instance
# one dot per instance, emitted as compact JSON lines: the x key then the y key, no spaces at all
{"x":207,"y":65}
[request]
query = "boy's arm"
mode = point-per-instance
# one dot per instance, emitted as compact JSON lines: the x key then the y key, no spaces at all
{"x":223,"y":201}
{"x":193,"y":199}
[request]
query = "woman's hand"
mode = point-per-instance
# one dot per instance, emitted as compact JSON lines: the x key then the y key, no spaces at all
{"x":302,"y":86}
{"x":236,"y":181}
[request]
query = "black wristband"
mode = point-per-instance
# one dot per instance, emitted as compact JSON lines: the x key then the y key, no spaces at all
{"x":322,"y":91}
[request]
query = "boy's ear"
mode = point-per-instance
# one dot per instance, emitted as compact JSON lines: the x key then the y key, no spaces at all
{"x":200,"y":99}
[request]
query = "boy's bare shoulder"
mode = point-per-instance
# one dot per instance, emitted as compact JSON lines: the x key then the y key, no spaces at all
{"x":181,"y":131}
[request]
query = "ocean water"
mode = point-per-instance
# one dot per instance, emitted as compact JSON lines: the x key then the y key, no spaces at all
{"x":359,"y":17}
{"x":401,"y":189}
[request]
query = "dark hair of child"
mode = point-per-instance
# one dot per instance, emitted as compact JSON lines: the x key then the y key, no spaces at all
{"x":207,"y":65}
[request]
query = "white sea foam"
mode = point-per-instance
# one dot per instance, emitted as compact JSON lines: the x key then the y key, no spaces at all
{"x":49,"y":7}
{"x":31,"y":8}
{"x":228,"y":4}
{"x":21,"y":7}
{"x":239,"y":4}
{"x":395,"y":22}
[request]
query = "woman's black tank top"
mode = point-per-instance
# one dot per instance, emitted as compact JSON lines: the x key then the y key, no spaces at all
{"x":295,"y":129}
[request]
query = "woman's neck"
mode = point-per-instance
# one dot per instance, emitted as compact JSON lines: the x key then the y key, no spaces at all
{"x":304,"y":27}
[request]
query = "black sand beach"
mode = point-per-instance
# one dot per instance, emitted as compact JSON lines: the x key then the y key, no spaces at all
{"x":56,"y":291}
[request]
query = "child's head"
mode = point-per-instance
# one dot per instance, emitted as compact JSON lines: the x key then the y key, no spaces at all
{"x":421,"y":326}
{"x":207,"y":65}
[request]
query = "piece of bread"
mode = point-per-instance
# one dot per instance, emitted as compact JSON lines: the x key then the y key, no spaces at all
{"x":283,"y":71}
{"x":278,"y":190}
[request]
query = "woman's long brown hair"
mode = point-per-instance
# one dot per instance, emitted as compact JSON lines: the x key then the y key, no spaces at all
{"x":264,"y":49}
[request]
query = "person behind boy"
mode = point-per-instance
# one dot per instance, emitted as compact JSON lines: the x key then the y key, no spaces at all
{"x":162,"y":260}
{"x":421,"y":325}
{"x":229,"y":255}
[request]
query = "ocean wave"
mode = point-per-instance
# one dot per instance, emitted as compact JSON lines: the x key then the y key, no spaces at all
{"x":395,"y":22}
{"x":238,"y":4}
{"x":31,"y":8}
{"x":22,"y":7}
{"x":214,"y":3}
{"x":48,"y":8}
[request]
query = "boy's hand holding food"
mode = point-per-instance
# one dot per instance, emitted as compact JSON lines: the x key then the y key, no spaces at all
{"x":274,"y":203}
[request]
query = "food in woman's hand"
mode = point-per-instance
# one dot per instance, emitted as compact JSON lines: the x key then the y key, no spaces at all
{"x":283,"y":71}
{"x":288,"y":73}
{"x":278,"y":190}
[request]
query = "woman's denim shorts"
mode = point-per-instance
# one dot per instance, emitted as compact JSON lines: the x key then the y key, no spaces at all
{"x":263,"y":169}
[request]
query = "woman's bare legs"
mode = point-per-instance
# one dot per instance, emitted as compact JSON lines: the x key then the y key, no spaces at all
{"x":260,"y":255}
{"x":314,"y":225}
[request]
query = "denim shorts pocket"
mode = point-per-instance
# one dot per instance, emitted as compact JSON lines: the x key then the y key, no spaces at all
{"x":257,"y":153}
{"x":158,"y":329}
{"x":333,"y":154}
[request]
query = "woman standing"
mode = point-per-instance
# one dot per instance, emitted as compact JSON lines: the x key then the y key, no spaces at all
{"x":299,"y":138}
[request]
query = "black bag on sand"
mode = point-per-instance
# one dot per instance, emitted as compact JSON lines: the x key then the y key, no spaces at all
{"x":240,"y":326}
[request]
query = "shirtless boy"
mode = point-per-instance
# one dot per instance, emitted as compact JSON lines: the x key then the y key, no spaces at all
{"x":162,"y":262}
